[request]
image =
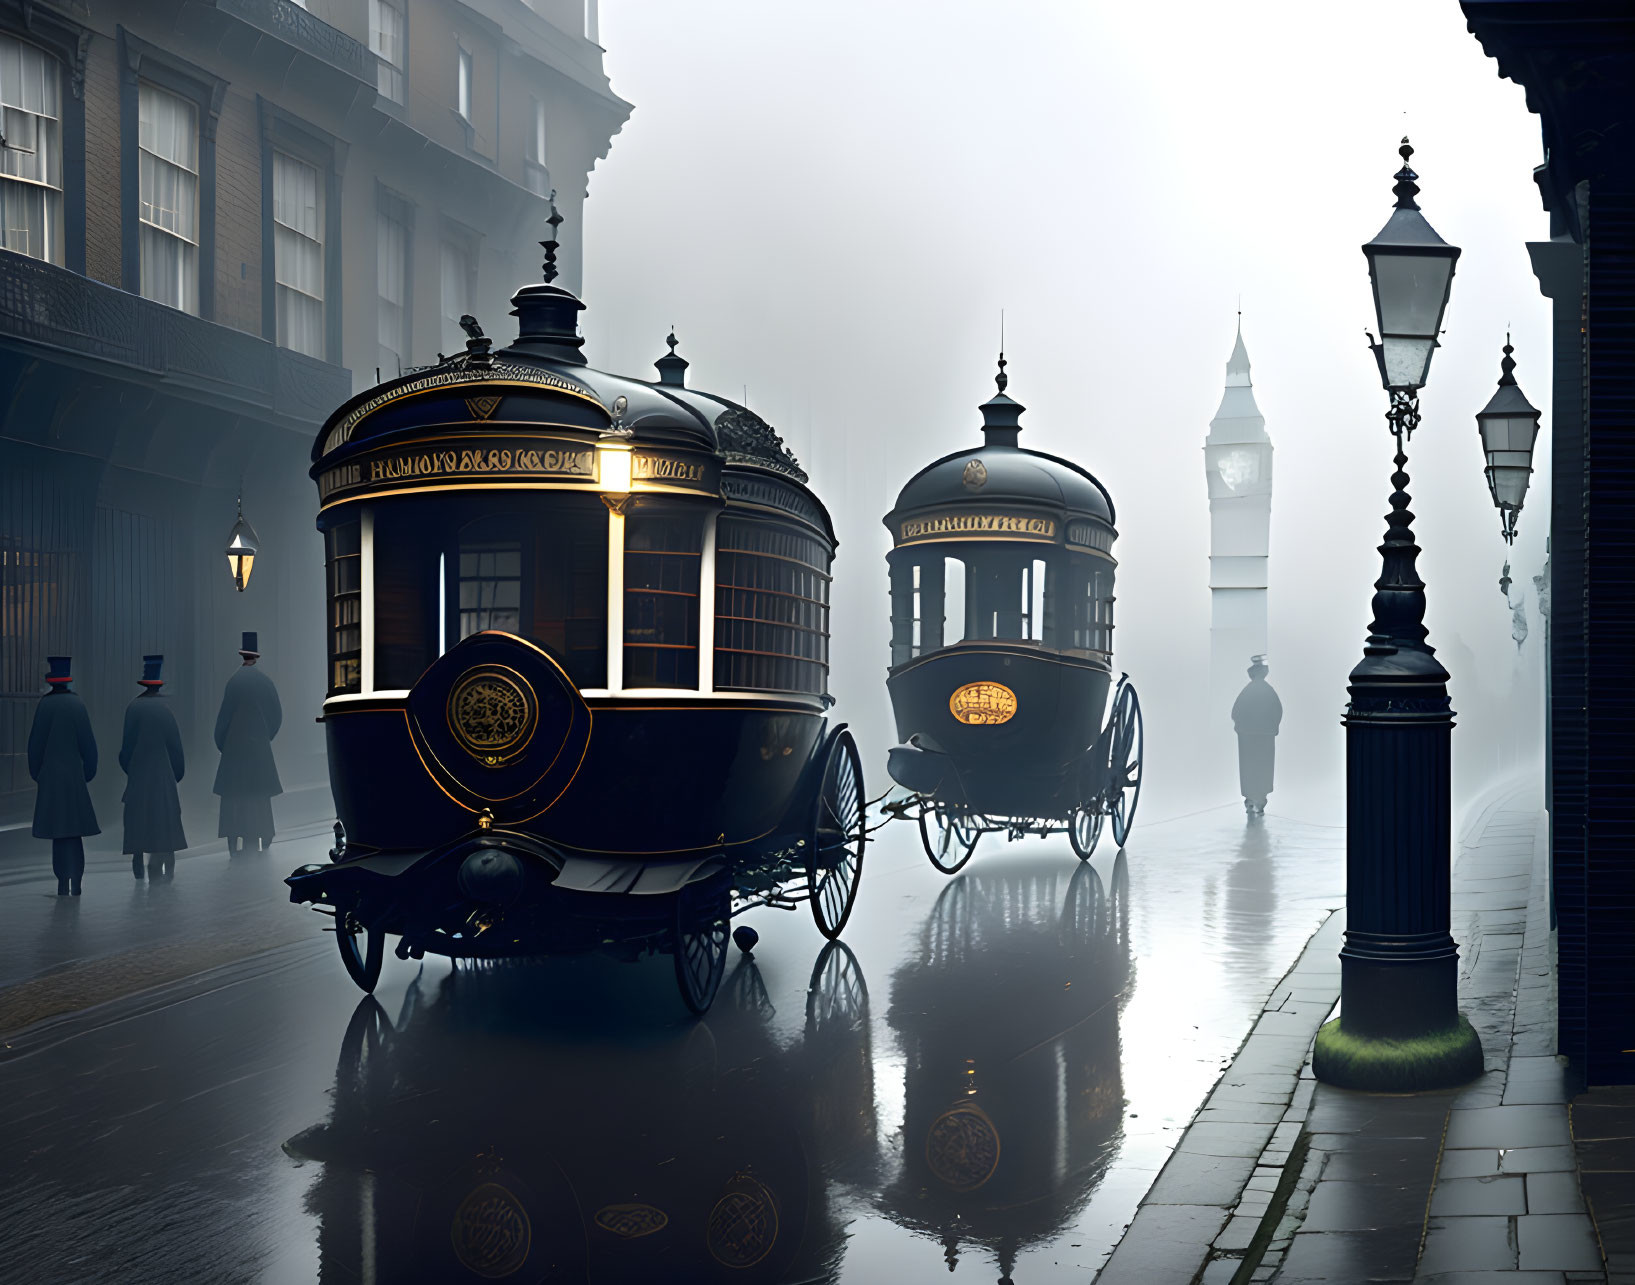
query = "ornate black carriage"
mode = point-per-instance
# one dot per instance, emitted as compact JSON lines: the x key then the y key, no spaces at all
{"x":1001,"y":649}
{"x":578,"y":660}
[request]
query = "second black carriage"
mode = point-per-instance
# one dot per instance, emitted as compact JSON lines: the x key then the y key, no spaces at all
{"x":578,"y":662}
{"x":1001,"y":649}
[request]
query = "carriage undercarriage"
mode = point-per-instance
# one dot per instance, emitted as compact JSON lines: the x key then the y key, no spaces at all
{"x":494,"y":894}
{"x":1103,"y":786}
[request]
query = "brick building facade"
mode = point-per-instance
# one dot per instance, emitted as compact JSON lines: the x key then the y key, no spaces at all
{"x":220,"y":217}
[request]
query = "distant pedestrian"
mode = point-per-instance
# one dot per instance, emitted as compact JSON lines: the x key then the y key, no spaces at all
{"x":62,"y":757}
{"x":1256,"y":714}
{"x":151,"y":754}
{"x":247,"y":778}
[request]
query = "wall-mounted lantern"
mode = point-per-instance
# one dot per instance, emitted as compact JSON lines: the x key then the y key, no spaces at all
{"x":242,"y":546}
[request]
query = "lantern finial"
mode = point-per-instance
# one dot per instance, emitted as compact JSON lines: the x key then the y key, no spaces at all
{"x":1406,"y":188}
{"x":1507,"y":367}
{"x":550,"y":244}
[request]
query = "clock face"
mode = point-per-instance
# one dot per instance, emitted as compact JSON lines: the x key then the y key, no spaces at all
{"x":1239,"y":468}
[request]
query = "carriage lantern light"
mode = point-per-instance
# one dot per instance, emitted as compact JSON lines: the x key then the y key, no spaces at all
{"x":1411,"y":269}
{"x":613,"y":466}
{"x":242,"y":546}
{"x":1509,"y":427}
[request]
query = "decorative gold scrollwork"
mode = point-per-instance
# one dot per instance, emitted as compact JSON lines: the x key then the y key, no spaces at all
{"x":490,"y":1232}
{"x":983,"y":703}
{"x":492,"y":713}
{"x":962,"y":1147}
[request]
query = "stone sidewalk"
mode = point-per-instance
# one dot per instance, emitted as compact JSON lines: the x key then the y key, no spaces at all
{"x":1281,"y":1179}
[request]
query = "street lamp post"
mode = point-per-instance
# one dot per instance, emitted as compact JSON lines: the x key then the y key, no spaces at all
{"x":1509,"y":427}
{"x":1399,"y":1026}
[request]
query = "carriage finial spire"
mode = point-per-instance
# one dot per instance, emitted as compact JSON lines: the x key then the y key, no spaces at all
{"x":549,"y":245}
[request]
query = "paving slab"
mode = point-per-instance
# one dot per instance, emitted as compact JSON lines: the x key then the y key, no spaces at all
{"x":1465,"y":1244}
{"x":1557,"y":1242}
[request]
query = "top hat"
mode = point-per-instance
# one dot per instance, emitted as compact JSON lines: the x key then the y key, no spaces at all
{"x":249,"y":644}
{"x":1257,"y":663}
{"x":150,"y":671}
{"x":58,"y":672}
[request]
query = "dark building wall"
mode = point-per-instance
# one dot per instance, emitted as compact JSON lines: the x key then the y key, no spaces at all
{"x":1576,"y":61}
{"x":238,"y":215}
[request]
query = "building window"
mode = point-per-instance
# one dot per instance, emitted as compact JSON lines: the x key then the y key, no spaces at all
{"x":771,"y":608}
{"x":30,"y":151}
{"x":462,"y":92}
{"x":386,"y":43}
{"x":539,"y":179}
{"x":661,"y":569}
{"x":392,"y":285}
{"x":344,"y":567}
{"x":168,"y":151}
{"x":298,"y":254}
{"x":455,"y":289}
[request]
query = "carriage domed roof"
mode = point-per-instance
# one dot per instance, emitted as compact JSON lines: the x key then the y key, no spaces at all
{"x":542,"y":377}
{"x":1000,"y":470}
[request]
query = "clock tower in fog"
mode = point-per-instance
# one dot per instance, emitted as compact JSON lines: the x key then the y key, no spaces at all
{"x":1238,"y":469}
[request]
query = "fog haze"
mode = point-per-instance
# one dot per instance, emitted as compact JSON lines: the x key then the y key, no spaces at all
{"x":832,"y":204}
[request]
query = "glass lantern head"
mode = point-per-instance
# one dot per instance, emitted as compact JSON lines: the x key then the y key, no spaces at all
{"x":242,"y":546}
{"x":1508,"y":425}
{"x":1411,"y":270}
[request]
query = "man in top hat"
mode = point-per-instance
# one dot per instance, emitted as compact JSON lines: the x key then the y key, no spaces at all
{"x":62,"y":757}
{"x":151,"y":754}
{"x":247,"y":778}
{"x":1256,"y":714}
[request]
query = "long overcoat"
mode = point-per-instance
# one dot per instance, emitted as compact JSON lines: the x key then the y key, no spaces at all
{"x":62,"y":757}
{"x":1256,"y":714}
{"x":249,"y":719}
{"x":151,"y":754}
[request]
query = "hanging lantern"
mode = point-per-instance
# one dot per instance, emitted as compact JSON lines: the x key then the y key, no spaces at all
{"x":242,"y":546}
{"x":1509,"y":426}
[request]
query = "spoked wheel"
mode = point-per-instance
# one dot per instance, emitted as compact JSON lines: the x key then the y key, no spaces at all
{"x":362,"y":960}
{"x":700,"y":940}
{"x":1084,"y":829}
{"x":1124,"y":761}
{"x":949,"y":836}
{"x":837,"y":837}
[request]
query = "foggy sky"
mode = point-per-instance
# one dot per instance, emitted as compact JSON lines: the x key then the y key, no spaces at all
{"x":832,"y":203}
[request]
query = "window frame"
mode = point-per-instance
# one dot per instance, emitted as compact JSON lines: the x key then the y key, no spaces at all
{"x":401,"y":67}
{"x":729,"y":558}
{"x":139,"y":61}
{"x":333,"y":597}
{"x":465,"y":76}
{"x":398,"y":208}
{"x":193,"y":247}
{"x":536,"y":171}
{"x":457,"y":237}
{"x":67,"y":42}
{"x":283,"y":132}
{"x":689,"y":564}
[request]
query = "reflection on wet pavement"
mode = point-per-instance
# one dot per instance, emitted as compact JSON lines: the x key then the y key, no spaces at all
{"x":1040,"y":1033}
{"x":467,"y":1144}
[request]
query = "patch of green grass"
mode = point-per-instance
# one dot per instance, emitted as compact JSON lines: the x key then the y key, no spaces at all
{"x":1438,"y":1061}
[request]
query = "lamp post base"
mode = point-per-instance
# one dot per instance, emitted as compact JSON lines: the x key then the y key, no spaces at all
{"x":1440,"y":1060}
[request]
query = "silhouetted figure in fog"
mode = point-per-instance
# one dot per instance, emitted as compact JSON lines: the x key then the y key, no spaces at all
{"x":151,"y":755}
{"x":247,"y":778}
{"x":1256,"y":714}
{"x":62,"y":757}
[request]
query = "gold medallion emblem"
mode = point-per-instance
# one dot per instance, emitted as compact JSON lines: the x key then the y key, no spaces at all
{"x":490,"y":1232}
{"x":743,"y":1226}
{"x":983,"y":703}
{"x":632,"y":1222}
{"x":962,"y":1148}
{"x":482,"y":407}
{"x":492,"y":712}
{"x":975,"y":475}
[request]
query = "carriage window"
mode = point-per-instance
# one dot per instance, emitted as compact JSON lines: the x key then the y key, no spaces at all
{"x":661,"y":569}
{"x":953,"y":609}
{"x":771,"y":608}
{"x":1033,"y":600}
{"x":343,"y":566}
{"x":490,"y":594}
{"x":405,"y":595}
{"x":1092,"y":608}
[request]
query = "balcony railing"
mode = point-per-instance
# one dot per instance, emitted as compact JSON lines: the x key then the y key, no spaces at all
{"x":301,"y":30}
{"x":48,"y":305}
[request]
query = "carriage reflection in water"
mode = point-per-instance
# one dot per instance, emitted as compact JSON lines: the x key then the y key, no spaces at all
{"x":1001,"y":649}
{"x":1012,"y":1111}
{"x":578,"y":664}
{"x":466,"y":1145}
